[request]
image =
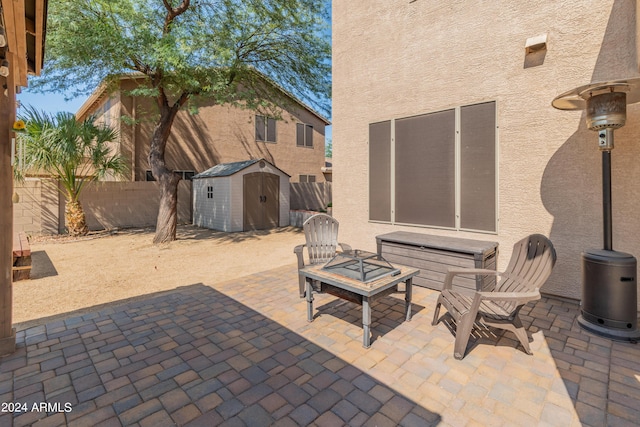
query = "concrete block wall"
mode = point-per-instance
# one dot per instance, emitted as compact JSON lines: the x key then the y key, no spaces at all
{"x":310,"y":195}
{"x":107,"y":205}
{"x":129,"y":204}
{"x":110,"y":205}
{"x":37,"y":211}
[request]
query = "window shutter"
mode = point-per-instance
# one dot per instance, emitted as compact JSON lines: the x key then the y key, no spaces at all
{"x":299,"y":134}
{"x":478,"y":167}
{"x":380,"y":171}
{"x":271,"y":130}
{"x":308,"y":137}
{"x":260,"y":125}
{"x":425,"y":169}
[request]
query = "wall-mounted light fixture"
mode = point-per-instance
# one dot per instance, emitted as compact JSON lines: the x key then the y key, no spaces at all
{"x":3,"y":37}
{"x":535,"y":44}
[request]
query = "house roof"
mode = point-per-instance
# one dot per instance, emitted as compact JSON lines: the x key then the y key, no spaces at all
{"x":227,"y":169}
{"x":102,"y":91}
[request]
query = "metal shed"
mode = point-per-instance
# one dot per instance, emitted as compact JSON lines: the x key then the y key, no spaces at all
{"x":241,"y":196}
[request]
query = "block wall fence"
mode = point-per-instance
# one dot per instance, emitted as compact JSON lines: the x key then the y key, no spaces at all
{"x":110,"y":205}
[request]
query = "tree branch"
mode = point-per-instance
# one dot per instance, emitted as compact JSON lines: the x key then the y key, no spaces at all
{"x":172,"y":13}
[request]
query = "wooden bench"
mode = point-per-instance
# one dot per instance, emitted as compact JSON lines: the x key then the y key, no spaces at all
{"x":21,"y":257}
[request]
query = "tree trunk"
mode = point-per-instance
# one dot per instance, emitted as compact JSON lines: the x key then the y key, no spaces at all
{"x":75,"y":218}
{"x":168,"y":212}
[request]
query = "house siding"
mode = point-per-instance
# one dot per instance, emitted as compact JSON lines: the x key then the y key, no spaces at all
{"x":217,"y":134}
{"x":395,"y":59}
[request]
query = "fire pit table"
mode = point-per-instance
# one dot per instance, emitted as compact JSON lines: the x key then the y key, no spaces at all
{"x":360,"y":277}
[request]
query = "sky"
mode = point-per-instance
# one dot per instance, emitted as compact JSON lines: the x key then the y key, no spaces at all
{"x":49,"y":102}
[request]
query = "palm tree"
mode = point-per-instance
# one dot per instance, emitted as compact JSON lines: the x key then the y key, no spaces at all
{"x":72,"y":152}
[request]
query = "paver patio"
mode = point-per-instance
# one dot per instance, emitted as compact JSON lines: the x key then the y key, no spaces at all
{"x":242,"y":353}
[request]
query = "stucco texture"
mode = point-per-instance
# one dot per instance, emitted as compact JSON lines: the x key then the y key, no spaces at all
{"x":393,"y":59}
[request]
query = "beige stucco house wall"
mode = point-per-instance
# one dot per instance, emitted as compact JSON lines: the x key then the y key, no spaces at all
{"x":216,"y":134}
{"x":401,"y":58}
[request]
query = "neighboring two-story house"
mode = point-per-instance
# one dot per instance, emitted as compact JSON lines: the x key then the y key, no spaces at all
{"x":216,"y":134}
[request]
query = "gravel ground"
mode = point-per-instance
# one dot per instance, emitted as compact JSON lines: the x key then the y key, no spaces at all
{"x":76,"y":275}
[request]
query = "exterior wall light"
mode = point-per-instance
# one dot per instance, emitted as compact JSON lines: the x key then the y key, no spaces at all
{"x":535,"y":44}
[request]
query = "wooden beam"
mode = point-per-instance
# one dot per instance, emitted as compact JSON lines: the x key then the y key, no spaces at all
{"x":7,"y":111}
{"x":40,"y":25}
{"x":30,"y":26}
{"x":21,"y":37}
{"x":8,"y":13}
{"x":14,"y":21}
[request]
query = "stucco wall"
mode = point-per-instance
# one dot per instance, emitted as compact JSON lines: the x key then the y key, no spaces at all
{"x":393,"y":59}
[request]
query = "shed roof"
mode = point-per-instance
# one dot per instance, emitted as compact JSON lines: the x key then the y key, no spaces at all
{"x":226,"y":169}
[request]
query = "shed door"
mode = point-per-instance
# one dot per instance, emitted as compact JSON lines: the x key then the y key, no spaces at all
{"x":261,"y":201}
{"x":271,"y":191}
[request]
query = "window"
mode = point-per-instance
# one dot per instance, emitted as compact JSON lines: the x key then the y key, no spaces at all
{"x":186,"y":175}
{"x":209,"y":192}
{"x":307,"y":178}
{"x":304,"y":135}
{"x":265,"y":129}
{"x":436,"y":169}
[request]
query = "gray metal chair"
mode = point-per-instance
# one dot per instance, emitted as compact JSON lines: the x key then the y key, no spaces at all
{"x":531,"y":263}
{"x":321,"y":234}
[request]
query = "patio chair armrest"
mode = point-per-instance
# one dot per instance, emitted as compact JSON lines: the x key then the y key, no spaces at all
{"x":448,"y":280}
{"x":522,"y":297}
{"x":344,"y":247}
{"x":298,"y":250}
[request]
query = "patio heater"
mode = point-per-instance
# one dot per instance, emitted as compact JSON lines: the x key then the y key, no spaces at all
{"x":609,"y":305}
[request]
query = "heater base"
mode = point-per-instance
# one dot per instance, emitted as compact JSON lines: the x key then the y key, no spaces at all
{"x":614,"y":334}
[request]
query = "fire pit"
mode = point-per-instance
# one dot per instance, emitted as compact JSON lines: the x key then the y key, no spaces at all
{"x":360,"y":265}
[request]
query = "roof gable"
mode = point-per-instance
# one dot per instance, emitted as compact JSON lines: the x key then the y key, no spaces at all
{"x":102,"y":91}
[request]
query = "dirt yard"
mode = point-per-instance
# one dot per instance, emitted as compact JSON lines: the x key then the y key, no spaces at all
{"x":76,"y":275}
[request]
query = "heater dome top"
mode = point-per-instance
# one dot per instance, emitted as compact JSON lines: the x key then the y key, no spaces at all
{"x":576,"y":99}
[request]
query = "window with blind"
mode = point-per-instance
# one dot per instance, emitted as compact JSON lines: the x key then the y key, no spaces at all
{"x":304,"y":135}
{"x":265,"y":129}
{"x":436,"y":169}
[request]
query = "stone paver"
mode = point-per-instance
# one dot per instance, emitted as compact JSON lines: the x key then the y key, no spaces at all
{"x":242,"y":353}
